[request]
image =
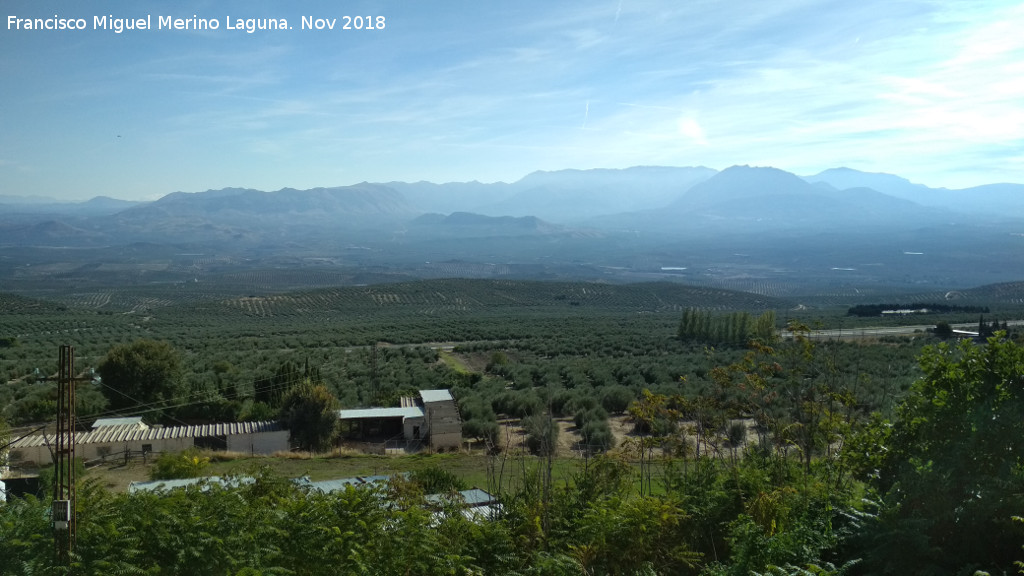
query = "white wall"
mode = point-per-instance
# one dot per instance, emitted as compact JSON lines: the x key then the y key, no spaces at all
{"x":259,"y":443}
{"x":407,"y":430}
{"x":255,"y":443}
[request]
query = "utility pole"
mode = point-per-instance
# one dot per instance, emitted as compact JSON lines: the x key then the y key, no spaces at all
{"x":63,"y":508}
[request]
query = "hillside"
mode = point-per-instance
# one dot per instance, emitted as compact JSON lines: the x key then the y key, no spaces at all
{"x":1001,"y":199}
{"x":758,"y":229}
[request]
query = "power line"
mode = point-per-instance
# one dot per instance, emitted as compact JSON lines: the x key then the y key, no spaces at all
{"x":196,"y":398}
{"x":22,"y":437}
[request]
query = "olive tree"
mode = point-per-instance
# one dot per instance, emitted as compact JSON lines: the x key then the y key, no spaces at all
{"x":310,"y":412}
{"x":145,"y":375}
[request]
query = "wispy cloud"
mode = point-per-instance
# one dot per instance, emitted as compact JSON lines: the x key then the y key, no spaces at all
{"x":931,"y":90}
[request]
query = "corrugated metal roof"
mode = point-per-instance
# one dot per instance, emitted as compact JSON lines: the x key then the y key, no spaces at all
{"x":436,"y":396}
{"x":325,"y":486}
{"x":135,"y":421}
{"x":477,"y":497}
{"x":477,"y":504}
{"x":338,"y":484}
{"x":471,"y":497}
{"x":328,"y":486}
{"x":408,"y":412}
{"x":131,"y":434}
{"x":157,"y":485}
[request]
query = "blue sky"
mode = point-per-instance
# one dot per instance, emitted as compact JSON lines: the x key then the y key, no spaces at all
{"x":491,"y":90}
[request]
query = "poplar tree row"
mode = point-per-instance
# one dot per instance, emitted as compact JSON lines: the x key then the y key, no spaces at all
{"x":735,"y":328}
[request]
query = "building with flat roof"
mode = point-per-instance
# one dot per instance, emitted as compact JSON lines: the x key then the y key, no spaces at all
{"x":432,"y":419}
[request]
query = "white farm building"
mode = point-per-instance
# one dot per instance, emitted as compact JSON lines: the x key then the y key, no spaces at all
{"x":108,"y":440}
{"x":431,"y":418}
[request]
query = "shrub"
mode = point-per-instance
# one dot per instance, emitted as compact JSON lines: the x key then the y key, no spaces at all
{"x":541,"y":435}
{"x":517,"y":404}
{"x":597,"y":436}
{"x":615,"y":399}
{"x":171,"y":465}
{"x":584,"y":417}
{"x":475,"y":408}
{"x":435,"y":480}
{"x":486,"y":430}
{"x":562,"y":403}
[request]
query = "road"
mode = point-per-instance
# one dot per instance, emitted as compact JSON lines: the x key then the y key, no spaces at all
{"x":875,"y":332}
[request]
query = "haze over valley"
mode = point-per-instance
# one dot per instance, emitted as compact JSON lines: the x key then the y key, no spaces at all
{"x":841,"y":232}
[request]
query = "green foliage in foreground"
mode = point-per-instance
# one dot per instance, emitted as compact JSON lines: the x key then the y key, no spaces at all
{"x":948,"y":474}
{"x":594,"y":525}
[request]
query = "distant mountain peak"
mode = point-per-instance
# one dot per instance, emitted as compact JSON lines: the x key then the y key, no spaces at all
{"x":741,"y":181}
{"x":844,"y":177}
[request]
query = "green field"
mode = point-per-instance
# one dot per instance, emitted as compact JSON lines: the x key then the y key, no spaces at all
{"x":556,"y":335}
{"x":722,"y":457}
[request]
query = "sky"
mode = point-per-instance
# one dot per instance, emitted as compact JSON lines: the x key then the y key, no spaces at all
{"x":491,"y":90}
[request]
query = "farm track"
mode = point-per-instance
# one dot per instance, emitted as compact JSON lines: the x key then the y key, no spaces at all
{"x":880,"y":331}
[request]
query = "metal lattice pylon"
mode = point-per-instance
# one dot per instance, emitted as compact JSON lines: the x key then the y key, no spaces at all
{"x":64,"y":459}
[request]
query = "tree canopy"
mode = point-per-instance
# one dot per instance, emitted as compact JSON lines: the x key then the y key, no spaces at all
{"x":950,"y":470}
{"x":145,"y":374}
{"x":310,"y":412}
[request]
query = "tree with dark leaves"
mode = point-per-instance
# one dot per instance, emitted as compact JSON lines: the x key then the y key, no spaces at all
{"x":142,"y":376}
{"x":310,"y":413}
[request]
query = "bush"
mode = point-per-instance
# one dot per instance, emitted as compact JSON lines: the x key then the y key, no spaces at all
{"x":584,"y":417}
{"x":597,"y":436}
{"x":146,"y":372}
{"x":435,"y":480}
{"x":172,"y":465}
{"x":943,"y":330}
{"x":498,"y":360}
{"x":258,"y":412}
{"x":583,"y":402}
{"x":475,"y":408}
{"x":615,"y":399}
{"x":541,"y":435}
{"x":517,"y":404}
{"x":486,"y":430}
{"x":562,"y":403}
{"x":736,"y":433}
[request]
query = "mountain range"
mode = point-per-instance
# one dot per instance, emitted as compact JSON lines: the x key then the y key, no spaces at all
{"x":646,"y":221}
